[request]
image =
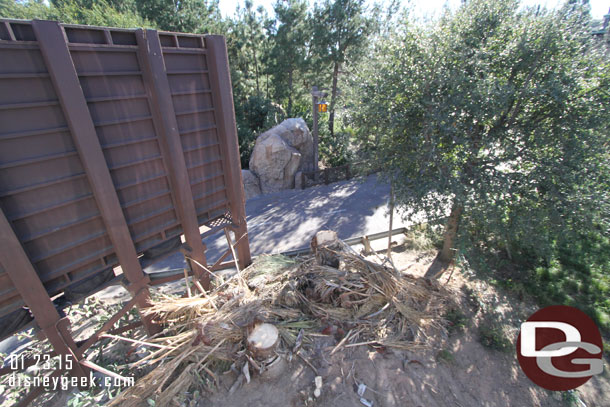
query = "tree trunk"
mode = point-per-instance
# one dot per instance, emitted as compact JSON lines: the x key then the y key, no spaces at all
{"x":290,"y":93}
{"x":331,"y":115}
{"x":451,"y":229}
{"x":263,"y":341}
{"x":256,"y":69}
{"x":389,"y":251}
{"x":447,"y":253}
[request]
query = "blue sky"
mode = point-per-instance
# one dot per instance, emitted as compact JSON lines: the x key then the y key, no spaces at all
{"x":425,"y":8}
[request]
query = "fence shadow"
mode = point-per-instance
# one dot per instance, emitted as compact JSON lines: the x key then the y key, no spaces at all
{"x":288,"y":219}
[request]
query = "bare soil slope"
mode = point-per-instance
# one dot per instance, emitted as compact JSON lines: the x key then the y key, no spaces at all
{"x":458,"y":370}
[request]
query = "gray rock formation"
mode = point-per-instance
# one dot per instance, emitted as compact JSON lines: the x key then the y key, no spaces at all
{"x":252,"y":186}
{"x":280,"y":152}
{"x":298,"y":180}
{"x":296,"y":133}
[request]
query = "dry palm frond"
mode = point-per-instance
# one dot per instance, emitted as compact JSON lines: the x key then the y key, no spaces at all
{"x":379,"y":305}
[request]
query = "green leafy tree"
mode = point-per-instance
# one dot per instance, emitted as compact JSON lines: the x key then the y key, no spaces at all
{"x":496,"y":116}
{"x":24,"y":10}
{"x":248,"y":48}
{"x":340,"y":33}
{"x":97,"y":12}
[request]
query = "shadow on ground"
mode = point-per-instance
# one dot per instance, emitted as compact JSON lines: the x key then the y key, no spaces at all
{"x":287,"y":220}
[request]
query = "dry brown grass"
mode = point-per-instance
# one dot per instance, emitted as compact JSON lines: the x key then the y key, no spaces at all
{"x":374,"y":304}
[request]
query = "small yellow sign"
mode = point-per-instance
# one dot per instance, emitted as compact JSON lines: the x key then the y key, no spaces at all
{"x":322,"y":107}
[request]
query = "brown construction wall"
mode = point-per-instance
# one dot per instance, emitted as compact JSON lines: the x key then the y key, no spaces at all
{"x":49,"y":187}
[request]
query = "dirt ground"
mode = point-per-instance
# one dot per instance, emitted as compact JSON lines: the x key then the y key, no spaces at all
{"x":455,"y":370}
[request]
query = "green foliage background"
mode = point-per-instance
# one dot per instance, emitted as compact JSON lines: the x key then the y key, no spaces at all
{"x":503,"y":112}
{"x":495,"y":108}
{"x":275,"y":60}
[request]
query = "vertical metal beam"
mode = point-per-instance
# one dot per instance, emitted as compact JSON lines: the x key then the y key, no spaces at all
{"x":150,"y":56}
{"x":17,"y":265}
{"x":222,"y":93}
{"x":52,"y":42}
{"x":9,"y":29}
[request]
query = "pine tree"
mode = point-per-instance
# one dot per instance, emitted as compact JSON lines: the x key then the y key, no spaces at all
{"x":340,"y":33}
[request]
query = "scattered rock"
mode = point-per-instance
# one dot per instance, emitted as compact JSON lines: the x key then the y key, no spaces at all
{"x":252,"y":186}
{"x":366,"y":402}
{"x":318,"y":382}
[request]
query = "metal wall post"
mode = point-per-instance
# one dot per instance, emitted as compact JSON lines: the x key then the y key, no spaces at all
{"x":150,"y":55}
{"x":222,"y":92}
{"x":17,"y":265}
{"x":54,"y":48}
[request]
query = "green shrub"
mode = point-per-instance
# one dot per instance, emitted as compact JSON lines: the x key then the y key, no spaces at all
{"x":445,"y":356}
{"x":253,"y":117}
{"x":493,"y":337}
{"x":457,"y":320}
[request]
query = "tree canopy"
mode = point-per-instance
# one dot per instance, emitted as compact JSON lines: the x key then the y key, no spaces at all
{"x":495,"y":115}
{"x":492,"y":119}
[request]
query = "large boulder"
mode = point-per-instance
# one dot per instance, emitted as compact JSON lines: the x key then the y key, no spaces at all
{"x":296,"y":133}
{"x":252,"y":186}
{"x":280,"y":152}
{"x":275,"y":163}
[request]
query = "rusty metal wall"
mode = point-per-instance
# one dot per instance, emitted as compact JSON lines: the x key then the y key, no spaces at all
{"x":158,"y":105}
{"x":189,"y":83}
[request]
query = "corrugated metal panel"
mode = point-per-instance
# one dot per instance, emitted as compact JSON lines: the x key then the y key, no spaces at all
{"x":189,"y":82}
{"x":117,"y":98}
{"x":46,"y":189}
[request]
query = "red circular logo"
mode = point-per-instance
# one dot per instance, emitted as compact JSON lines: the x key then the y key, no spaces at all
{"x":560,"y":348}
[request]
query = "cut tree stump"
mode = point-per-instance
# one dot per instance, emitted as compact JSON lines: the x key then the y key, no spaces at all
{"x":323,"y":245}
{"x":263,"y":341}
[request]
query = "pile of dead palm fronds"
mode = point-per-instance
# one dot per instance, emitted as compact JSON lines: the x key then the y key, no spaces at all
{"x":360,"y":302}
